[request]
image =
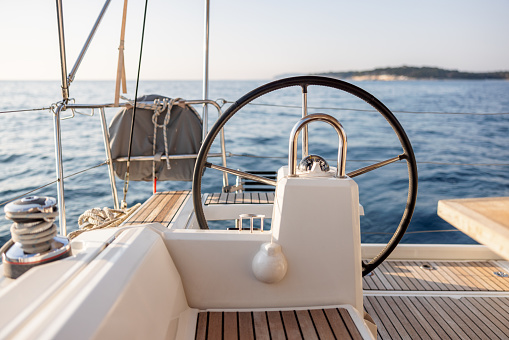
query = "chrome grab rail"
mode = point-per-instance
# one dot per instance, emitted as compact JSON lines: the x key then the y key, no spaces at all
{"x":292,"y":152}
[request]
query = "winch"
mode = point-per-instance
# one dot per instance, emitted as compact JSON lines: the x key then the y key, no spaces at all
{"x":34,"y":235}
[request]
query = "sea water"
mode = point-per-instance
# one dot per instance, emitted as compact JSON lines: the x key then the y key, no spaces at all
{"x":460,"y":154}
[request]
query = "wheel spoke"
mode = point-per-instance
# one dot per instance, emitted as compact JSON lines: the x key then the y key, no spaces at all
{"x":372,"y":167}
{"x":242,"y":174}
{"x":305,"y":143}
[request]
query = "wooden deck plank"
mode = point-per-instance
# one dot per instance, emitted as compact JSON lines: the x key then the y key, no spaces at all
{"x":460,"y":318}
{"x":401,"y":325}
{"x":423,"y":321}
{"x":434,"y":277}
{"x":158,"y":205}
{"x":486,"y":276}
{"x":386,"y":284}
{"x":414,"y":275}
{"x":145,"y":210}
{"x":277,"y":330}
{"x":247,"y":198}
{"x":245,"y":326}
{"x":450,"y":277}
{"x":386,"y":270}
{"x":336,"y":323}
{"x":464,"y":275}
{"x":223,"y":197}
{"x":261,"y":328}
{"x":215,"y":327}
{"x":201,"y":326}
{"x":480,"y":329}
{"x":456,"y":324}
{"x":432,"y":318}
{"x":478,"y":276}
{"x":321,"y":324}
{"x":137,"y":214}
{"x":401,"y":317}
{"x":485,"y":317}
{"x":174,"y":208}
{"x":488,"y":268}
{"x":255,"y":198}
{"x":494,"y":308}
{"x":447,"y":276}
{"x":208,"y":199}
{"x":352,"y":329}
{"x":230,"y":326}
{"x":382,"y":316}
{"x":238,"y":198}
{"x":382,"y":332}
{"x":213,"y":198}
{"x":397,"y":274}
{"x":306,"y":325}
{"x":165,"y":205}
{"x":230,"y":198}
{"x":419,"y":329}
{"x":376,"y":282}
{"x":501,"y":304}
{"x":405,"y":275}
{"x":291,"y":326}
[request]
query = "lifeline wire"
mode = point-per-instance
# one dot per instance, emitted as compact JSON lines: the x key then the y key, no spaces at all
{"x":376,"y":161}
{"x":53,"y":182}
{"x":371,"y":110}
{"x":26,"y":110}
{"x":126,"y":183}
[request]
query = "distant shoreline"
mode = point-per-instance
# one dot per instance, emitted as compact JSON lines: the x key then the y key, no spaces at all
{"x":416,"y":73}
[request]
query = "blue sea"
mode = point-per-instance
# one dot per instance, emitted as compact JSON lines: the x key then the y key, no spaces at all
{"x":457,"y":128}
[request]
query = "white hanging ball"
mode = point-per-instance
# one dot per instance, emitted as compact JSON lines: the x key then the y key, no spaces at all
{"x":269,"y":264}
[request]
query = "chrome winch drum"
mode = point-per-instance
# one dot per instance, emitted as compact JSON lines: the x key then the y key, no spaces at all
{"x":34,"y":235}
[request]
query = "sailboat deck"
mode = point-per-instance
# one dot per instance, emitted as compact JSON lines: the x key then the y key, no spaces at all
{"x":433,"y":317}
{"x":440,"y":276}
{"x":331,"y":323}
{"x":410,"y":299}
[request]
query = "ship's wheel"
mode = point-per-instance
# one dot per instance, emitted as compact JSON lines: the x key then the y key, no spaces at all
{"x":304,"y":82}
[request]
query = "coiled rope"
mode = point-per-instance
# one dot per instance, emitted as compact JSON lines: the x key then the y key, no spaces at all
{"x":96,"y":218}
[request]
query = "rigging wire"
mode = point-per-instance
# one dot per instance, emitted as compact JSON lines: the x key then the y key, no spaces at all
{"x":126,"y":179}
{"x":410,"y":232}
{"x":370,"y":110}
{"x":224,"y":101}
{"x":376,"y":161}
{"x":52,"y":182}
{"x":26,"y":110}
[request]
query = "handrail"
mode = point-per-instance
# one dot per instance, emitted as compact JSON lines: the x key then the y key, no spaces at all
{"x":292,"y":153}
{"x":170,"y":157}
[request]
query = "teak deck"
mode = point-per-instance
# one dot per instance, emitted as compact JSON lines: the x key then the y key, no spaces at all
{"x":445,"y":276}
{"x":453,"y":300}
{"x":162,"y":206}
{"x":333,"y":323}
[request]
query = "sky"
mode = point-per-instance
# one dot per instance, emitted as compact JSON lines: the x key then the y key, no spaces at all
{"x":254,"y":39}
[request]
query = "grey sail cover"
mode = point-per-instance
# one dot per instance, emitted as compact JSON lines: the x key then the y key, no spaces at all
{"x":183,"y":135}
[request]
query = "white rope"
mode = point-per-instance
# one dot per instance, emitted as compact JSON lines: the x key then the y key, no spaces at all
{"x":159,"y":107}
{"x":97,"y":218}
{"x":157,"y":111}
